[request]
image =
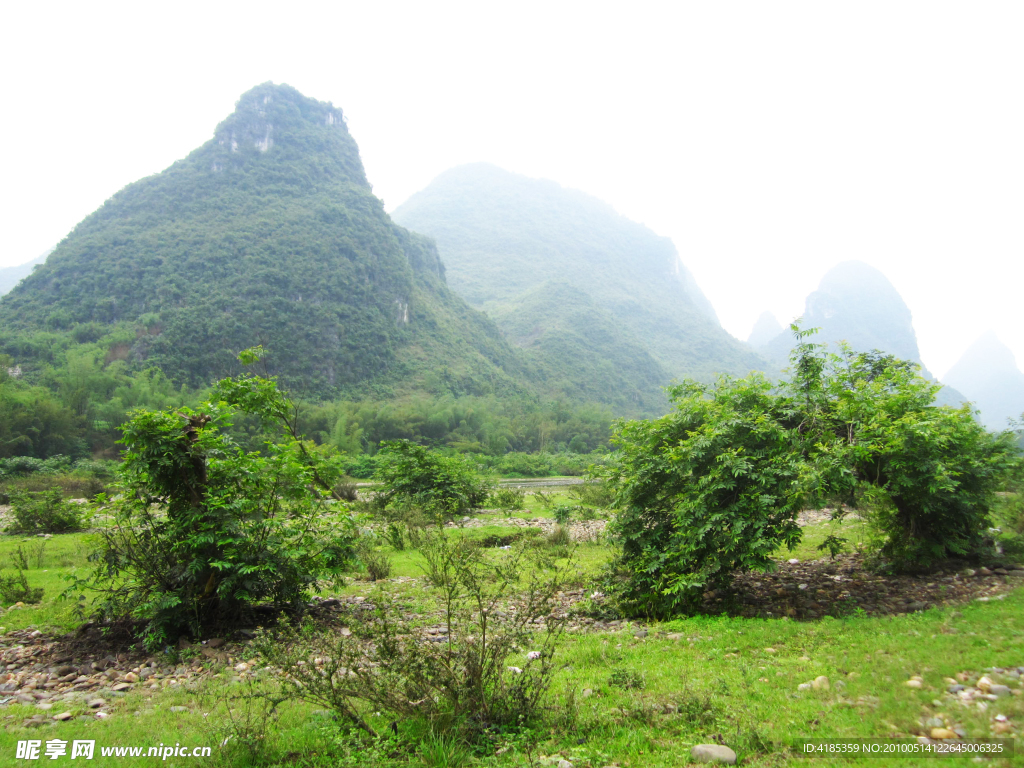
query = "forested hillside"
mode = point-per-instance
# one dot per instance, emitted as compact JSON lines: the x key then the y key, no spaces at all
{"x":503,"y":236}
{"x":268,"y":233}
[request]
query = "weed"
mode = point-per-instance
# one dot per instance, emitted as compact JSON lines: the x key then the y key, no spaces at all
{"x":395,"y":536}
{"x":45,"y":512}
{"x":376,"y":563}
{"x":508,"y":497}
{"x":15,"y":589}
{"x":627,"y":679}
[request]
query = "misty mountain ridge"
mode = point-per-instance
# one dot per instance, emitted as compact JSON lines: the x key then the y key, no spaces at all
{"x":987,"y":374}
{"x":503,"y":236}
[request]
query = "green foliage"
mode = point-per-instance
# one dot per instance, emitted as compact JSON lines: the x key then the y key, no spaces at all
{"x":412,"y":476}
{"x":508,"y":497}
{"x":602,"y":305}
{"x":244,"y":242}
{"x":45,"y":512}
{"x":715,"y":486}
{"x":490,"y":671}
{"x":375,"y":562}
{"x":14,"y":588}
{"x":205,"y":531}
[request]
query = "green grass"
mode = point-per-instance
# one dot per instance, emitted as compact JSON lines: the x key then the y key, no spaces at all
{"x":718,"y":680}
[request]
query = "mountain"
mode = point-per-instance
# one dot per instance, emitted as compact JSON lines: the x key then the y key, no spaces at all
{"x":765,"y":329}
{"x":267,"y":233}
{"x":11,"y":276}
{"x":578,"y":348}
{"x":857,"y":304}
{"x":504,"y":237}
{"x":987,"y":374}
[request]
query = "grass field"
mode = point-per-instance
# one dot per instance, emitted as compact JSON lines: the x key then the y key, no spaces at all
{"x":621,"y":697}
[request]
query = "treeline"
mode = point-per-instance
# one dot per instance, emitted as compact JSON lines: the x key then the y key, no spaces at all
{"x":74,"y":403}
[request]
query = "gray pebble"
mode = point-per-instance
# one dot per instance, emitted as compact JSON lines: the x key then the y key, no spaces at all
{"x":713,"y":753}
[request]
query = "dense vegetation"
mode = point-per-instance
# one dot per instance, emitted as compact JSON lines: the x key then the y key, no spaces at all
{"x":504,"y":236}
{"x":268,"y":233}
{"x":715,"y":486}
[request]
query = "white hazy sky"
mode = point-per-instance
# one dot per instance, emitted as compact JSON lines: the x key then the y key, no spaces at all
{"x":770,"y":141}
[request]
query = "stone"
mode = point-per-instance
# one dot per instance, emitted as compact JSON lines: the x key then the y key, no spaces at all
{"x":587,"y":693}
{"x":640,"y":634}
{"x":955,"y":688}
{"x":820,"y":683}
{"x":65,"y":670}
{"x":804,"y":687}
{"x":179,"y":709}
{"x":769,"y":650}
{"x":675,"y":636}
{"x":984,"y":683}
{"x":914,"y":684}
{"x":215,"y":642}
{"x":62,"y":717}
{"x":102,"y":715}
{"x":96,"y":703}
{"x":999,"y":690}
{"x":713,"y":753}
{"x":121,"y":687}
{"x":942,"y":733}
{"x":564,"y":764}
{"x":44,"y":705}
{"x":131,"y":677}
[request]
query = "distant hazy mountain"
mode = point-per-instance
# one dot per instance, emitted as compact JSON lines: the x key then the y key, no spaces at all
{"x":502,"y":236}
{"x":11,"y":276}
{"x":765,"y":329}
{"x":987,"y":375}
{"x":857,"y":304}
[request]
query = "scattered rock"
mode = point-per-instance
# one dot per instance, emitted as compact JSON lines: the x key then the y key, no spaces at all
{"x":640,"y":634}
{"x":96,"y":703}
{"x":820,"y":683}
{"x":179,"y":709}
{"x":713,"y":753}
{"x":62,"y":717}
{"x":942,"y":733}
{"x":215,"y":642}
{"x":914,"y":684}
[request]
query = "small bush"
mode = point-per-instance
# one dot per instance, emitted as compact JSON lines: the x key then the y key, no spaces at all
{"x":14,"y":588}
{"x":377,"y":564}
{"x":346,"y":491}
{"x":592,"y":491}
{"x":491,"y":672}
{"x":627,"y":680}
{"x":412,"y":476}
{"x":507,"y":497}
{"x":45,"y":512}
{"x":559,"y":537}
{"x":564,"y":513}
{"x":395,"y":535}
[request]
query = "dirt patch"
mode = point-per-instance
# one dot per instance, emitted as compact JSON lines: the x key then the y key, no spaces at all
{"x":845,"y":585}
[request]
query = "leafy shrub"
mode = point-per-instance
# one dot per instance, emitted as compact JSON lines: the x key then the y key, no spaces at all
{"x":377,"y":564}
{"x":592,"y":491}
{"x":414,"y":476}
{"x":45,"y":512}
{"x":346,"y":491}
{"x":564,"y":513}
{"x":627,"y":679}
{"x":507,"y":497}
{"x":234,"y":529}
{"x":716,"y":485}
{"x":14,"y":588}
{"x":395,"y":534}
{"x":491,"y":669}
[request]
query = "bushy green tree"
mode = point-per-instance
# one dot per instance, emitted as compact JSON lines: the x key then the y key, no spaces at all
{"x":206,"y":531}
{"x":716,"y":485}
{"x":413,"y":476}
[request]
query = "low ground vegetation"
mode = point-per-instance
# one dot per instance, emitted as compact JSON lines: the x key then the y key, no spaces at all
{"x":438,"y":619}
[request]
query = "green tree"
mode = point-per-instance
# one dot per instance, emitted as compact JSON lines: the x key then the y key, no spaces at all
{"x":206,"y":531}
{"x":716,"y":485}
